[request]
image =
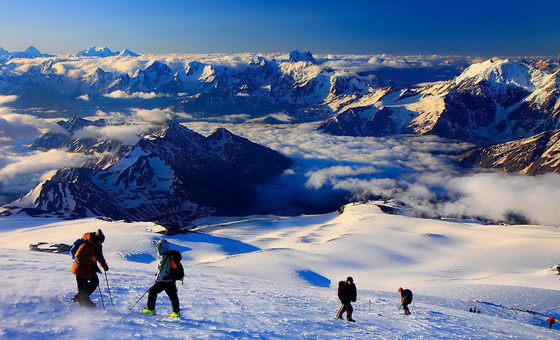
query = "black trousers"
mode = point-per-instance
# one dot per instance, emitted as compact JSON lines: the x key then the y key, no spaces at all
{"x":405,"y":306}
{"x":170,"y":289}
{"x":86,"y":287}
{"x":346,"y":307}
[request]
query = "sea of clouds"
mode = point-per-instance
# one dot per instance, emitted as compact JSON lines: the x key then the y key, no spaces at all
{"x":80,"y":67}
{"x":420,"y":172}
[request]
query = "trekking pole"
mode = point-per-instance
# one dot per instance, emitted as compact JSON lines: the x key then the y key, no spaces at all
{"x":139,"y":299}
{"x":109,"y":290}
{"x":103,"y":303}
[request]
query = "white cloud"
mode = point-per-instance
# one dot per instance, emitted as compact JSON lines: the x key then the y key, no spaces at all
{"x":495,"y":195}
{"x":155,"y":115}
{"x":128,"y":134}
{"x":118,"y":94}
{"x":7,"y":99}
{"x":17,"y":126}
{"x":411,"y":170}
{"x":40,"y":162}
{"x":317,"y":179}
{"x":20,"y":173}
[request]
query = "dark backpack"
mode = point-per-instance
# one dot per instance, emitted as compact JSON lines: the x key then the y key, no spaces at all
{"x":74,"y":248}
{"x":408,"y":295}
{"x":177,"y":271}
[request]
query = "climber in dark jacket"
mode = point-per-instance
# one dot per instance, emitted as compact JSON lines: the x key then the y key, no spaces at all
{"x":406,"y":299}
{"x":346,"y":294}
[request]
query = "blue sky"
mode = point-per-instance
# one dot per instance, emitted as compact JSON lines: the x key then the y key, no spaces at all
{"x":485,"y":28}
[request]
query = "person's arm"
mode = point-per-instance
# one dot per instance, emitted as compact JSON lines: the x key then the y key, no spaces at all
{"x":100,"y":258}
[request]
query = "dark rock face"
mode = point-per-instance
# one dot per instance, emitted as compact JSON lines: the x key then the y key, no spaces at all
{"x":534,"y":155}
{"x":172,"y":175}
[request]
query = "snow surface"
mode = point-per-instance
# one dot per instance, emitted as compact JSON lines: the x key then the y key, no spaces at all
{"x":274,"y":277}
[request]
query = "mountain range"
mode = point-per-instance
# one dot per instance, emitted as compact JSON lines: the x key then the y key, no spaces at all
{"x":490,"y":102}
{"x":494,"y":101}
{"x":171,"y":175}
{"x":95,"y":51}
{"x":29,"y":53}
{"x":510,"y":103}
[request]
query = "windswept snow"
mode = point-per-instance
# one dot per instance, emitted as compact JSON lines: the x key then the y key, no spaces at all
{"x":274,"y":277}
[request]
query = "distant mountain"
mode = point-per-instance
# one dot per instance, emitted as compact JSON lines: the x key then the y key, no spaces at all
{"x":294,"y":86}
{"x":494,"y":101}
{"x":533,"y":155}
{"x":297,"y":56}
{"x":30,"y":53}
{"x":111,"y":149}
{"x":95,"y":51}
{"x":172,"y":175}
{"x":491,"y":102}
{"x":128,"y":53}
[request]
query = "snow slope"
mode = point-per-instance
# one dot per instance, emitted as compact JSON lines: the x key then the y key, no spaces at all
{"x":273,"y":277}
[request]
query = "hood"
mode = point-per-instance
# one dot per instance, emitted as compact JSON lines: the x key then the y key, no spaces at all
{"x":162,"y":247}
{"x":94,"y":236}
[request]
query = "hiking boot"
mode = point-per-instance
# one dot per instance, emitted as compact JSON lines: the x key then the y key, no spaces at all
{"x":175,"y":315}
{"x":90,"y":304}
{"x":350,"y":320}
{"x":149,"y":311}
{"x":83,"y":300}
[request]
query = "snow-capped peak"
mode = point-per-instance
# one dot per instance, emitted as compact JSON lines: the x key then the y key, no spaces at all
{"x":502,"y":71}
{"x":128,"y":53}
{"x":297,"y":56}
{"x":95,"y":51}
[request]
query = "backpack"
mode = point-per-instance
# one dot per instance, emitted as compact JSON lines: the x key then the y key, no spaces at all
{"x":177,"y":271}
{"x":408,"y":295}
{"x":74,"y":248}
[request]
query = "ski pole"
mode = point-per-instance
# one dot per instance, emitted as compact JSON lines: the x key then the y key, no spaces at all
{"x":103,"y":303}
{"x":139,"y":299}
{"x":109,"y":290}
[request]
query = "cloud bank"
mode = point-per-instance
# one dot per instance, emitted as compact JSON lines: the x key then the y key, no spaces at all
{"x":15,"y":126}
{"x":20,"y":172}
{"x":330,"y":170}
{"x":118,"y":94}
{"x":7,"y":99}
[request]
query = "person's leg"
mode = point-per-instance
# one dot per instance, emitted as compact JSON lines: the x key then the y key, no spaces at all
{"x":153,"y":292}
{"x":91,"y":284}
{"x":171,"y":291}
{"x":341,"y":311}
{"x":349,"y":310}
{"x":81,"y":283}
{"x":405,"y":308}
{"x":85,"y":289}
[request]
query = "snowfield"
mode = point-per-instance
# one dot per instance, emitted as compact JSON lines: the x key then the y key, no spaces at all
{"x":273,"y":277}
